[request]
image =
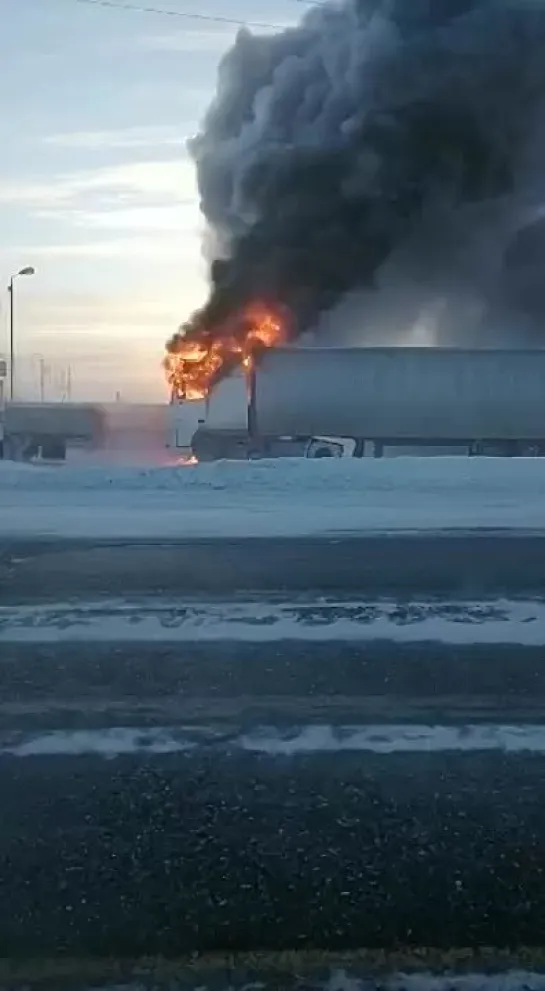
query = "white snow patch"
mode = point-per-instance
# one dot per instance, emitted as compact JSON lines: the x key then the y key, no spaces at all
{"x":273,"y":498}
{"x":280,"y":742}
{"x":496,"y":622}
{"x":104,"y":743}
{"x":396,"y":739}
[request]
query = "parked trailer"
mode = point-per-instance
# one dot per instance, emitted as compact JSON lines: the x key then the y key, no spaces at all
{"x":31,"y":428}
{"x":483,"y":399}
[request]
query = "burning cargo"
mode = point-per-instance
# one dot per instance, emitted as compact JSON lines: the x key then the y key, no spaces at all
{"x":379,"y":160}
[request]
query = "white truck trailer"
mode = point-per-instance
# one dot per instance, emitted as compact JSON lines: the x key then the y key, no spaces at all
{"x":327,"y":401}
{"x":480,"y":399}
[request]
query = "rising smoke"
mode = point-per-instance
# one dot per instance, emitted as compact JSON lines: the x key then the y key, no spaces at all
{"x":370,"y":167}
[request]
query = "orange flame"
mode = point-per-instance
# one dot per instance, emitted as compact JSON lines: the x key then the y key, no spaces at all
{"x":194,"y":363}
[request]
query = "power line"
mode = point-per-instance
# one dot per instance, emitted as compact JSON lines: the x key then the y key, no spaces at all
{"x":190,"y":15}
{"x":193,"y":15}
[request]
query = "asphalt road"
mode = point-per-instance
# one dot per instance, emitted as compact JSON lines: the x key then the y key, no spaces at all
{"x":367,"y":970}
{"x":221,"y":848}
{"x":216,"y":849}
{"x":219,"y":851}
{"x":442,"y":563}
{"x":237,"y":686}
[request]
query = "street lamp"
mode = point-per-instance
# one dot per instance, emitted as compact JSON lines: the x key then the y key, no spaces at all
{"x":23,"y":271}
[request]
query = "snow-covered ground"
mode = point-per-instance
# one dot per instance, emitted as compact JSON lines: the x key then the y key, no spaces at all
{"x":273,"y":498}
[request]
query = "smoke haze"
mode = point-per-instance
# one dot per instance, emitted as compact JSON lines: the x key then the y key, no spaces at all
{"x":370,"y":168}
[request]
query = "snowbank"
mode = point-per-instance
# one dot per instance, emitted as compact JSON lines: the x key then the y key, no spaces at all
{"x":328,"y":475}
{"x":282,"y":497}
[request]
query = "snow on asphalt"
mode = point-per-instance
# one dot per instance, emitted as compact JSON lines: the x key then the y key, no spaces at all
{"x":512,"y":981}
{"x":342,"y":980}
{"x":274,"y":741}
{"x":285,"y":497}
{"x":493,"y":622}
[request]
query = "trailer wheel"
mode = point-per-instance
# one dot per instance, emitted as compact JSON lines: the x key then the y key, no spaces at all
{"x":532,"y":450}
{"x":323,"y":448}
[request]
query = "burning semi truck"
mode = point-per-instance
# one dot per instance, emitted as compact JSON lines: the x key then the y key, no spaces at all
{"x":327,"y":402}
{"x":388,"y":152}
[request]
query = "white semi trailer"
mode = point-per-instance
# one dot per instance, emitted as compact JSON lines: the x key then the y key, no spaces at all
{"x":318,"y":399}
{"x":481,"y":399}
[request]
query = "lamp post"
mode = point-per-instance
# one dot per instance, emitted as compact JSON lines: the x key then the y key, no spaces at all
{"x":23,"y":271}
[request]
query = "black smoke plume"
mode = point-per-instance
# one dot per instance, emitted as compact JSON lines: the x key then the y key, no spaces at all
{"x":380,"y":149}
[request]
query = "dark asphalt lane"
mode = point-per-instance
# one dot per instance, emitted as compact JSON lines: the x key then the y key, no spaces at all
{"x":94,"y":685}
{"x":219,"y":848}
{"x":442,"y":563}
{"x":172,"y":855}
